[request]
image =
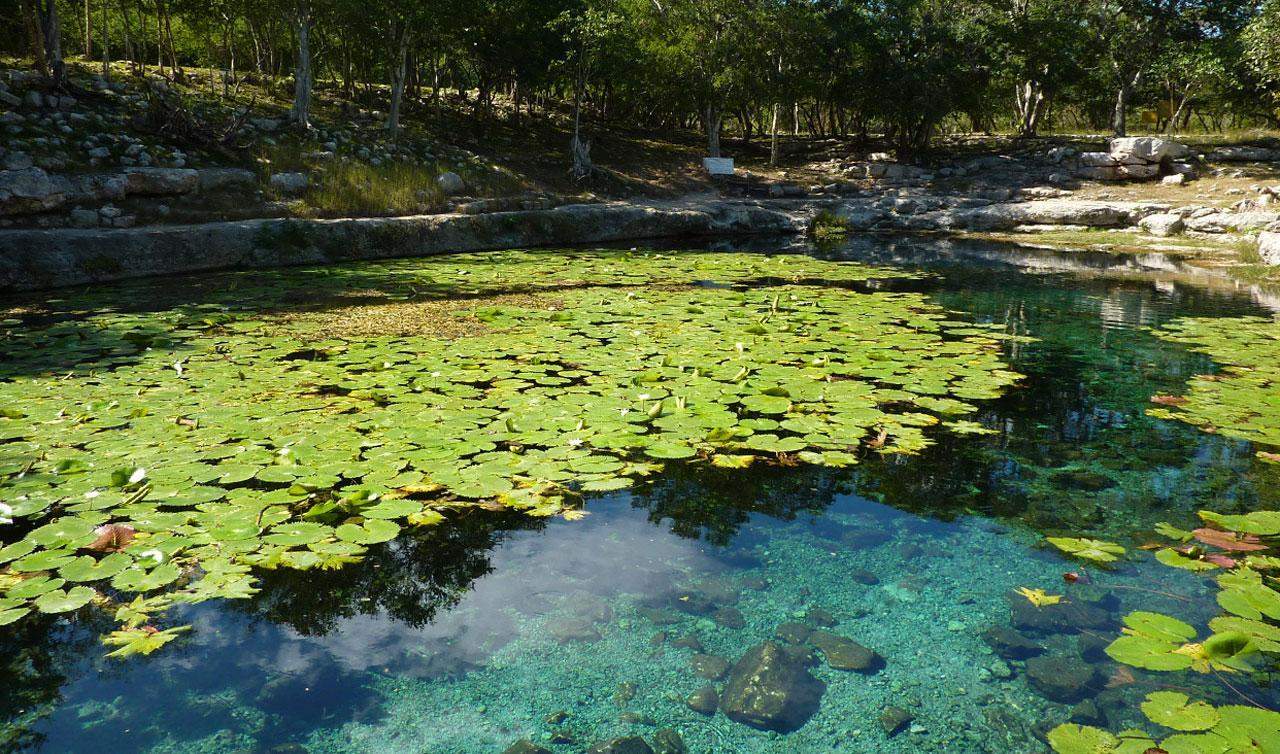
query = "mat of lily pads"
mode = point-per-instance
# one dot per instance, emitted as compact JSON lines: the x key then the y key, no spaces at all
{"x":148,"y":457}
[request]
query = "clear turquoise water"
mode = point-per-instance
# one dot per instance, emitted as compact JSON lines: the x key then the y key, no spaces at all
{"x":450,"y":640}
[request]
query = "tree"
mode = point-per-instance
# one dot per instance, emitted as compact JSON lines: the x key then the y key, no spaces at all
{"x":589,"y":33}
{"x":51,"y":41}
{"x":303,"y":19}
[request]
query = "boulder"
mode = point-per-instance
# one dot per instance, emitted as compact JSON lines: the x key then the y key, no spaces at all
{"x":84,"y":218}
{"x":894,"y":720}
{"x":770,"y":689}
{"x":1146,"y":149}
{"x":704,"y":701}
{"x":668,"y":741}
{"x":1269,"y":247}
{"x":31,"y":190}
{"x":1177,"y":179}
{"x":290,"y":184}
{"x":1163,"y":224}
{"x":1097,"y":160}
{"x":710,"y":667}
{"x":1232,"y":222}
{"x":623,"y":745}
{"x":100,"y":188}
{"x":451,"y":183}
{"x":161,"y":181}
{"x":1062,"y":679}
{"x":846,"y":654}
{"x":218,"y":179}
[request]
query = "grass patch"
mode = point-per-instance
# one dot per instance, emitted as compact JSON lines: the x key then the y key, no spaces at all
{"x":353,"y":188}
{"x":829,"y":226}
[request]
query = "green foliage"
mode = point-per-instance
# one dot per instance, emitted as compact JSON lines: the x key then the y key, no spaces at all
{"x":1093,"y":550}
{"x":1229,"y":729}
{"x":221,"y":441}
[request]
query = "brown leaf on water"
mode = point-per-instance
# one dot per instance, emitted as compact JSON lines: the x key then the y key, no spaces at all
{"x":1269,"y":457}
{"x":1220,"y":560}
{"x":1169,"y":400}
{"x":1121,"y":677}
{"x":1225,"y":540}
{"x":112,"y":537}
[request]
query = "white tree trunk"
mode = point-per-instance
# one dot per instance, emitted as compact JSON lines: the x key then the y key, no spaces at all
{"x":713,"y":131}
{"x":398,"y":78}
{"x":51,"y":37}
{"x":773,"y":136}
{"x":301,"y":113}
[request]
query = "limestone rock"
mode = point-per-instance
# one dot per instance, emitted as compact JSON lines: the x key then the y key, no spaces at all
{"x":31,"y":190}
{"x":216,"y":179}
{"x":1269,"y":247}
{"x":770,"y":690}
{"x":846,"y":654}
{"x":451,"y":183}
{"x":290,"y":184}
{"x":710,"y":667}
{"x":1148,"y":149}
{"x":1163,"y":224}
{"x":161,"y":181}
{"x":668,"y":741}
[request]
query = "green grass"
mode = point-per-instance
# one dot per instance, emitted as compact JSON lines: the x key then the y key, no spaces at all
{"x":350,"y":188}
{"x":829,"y":226}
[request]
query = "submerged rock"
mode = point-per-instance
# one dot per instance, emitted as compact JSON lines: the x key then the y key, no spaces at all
{"x":846,"y":654}
{"x":1061,"y":679}
{"x":729,"y":617}
{"x":1011,"y":644}
{"x":668,"y":741}
{"x":866,"y":578}
{"x":792,"y":632}
{"x":1063,"y":618}
{"x":894,"y":720}
{"x":819,"y":617}
{"x":704,"y":701}
{"x":623,"y":745}
{"x":525,"y":746}
{"x":770,"y":690}
{"x":709,"y":667}
{"x":569,"y":630}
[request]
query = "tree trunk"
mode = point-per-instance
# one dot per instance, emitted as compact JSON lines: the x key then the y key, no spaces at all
{"x":301,"y":112}
{"x":88,"y":32}
{"x":773,"y":135}
{"x":713,"y":130}
{"x":51,"y":39}
{"x":398,"y":76}
{"x":1120,"y":118}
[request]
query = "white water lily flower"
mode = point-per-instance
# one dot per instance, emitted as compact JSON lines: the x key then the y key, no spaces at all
{"x":137,"y":476}
{"x":155,"y":555}
{"x":644,"y":396}
{"x":91,"y":494}
{"x":6,"y":512}
{"x":575,"y":442}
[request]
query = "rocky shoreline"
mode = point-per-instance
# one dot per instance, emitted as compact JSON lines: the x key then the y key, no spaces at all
{"x":50,"y":258}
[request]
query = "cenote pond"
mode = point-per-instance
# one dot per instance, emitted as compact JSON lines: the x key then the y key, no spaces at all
{"x":891,"y":496}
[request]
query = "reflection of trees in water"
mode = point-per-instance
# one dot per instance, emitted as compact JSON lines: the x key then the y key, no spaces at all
{"x":37,"y":657}
{"x":703,"y":502}
{"x":411,"y":579}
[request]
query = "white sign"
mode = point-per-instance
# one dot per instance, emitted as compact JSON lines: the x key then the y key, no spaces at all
{"x":718,"y":165}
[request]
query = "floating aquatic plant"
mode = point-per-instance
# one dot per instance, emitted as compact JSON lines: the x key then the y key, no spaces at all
{"x":174,"y":451}
{"x":1230,"y":729}
{"x":1093,"y":550}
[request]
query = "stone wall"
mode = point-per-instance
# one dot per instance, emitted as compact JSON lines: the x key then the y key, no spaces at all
{"x":35,"y":259}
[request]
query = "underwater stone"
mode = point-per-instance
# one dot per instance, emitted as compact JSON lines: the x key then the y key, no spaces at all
{"x":792,"y":632}
{"x":704,"y":701}
{"x":658,"y":639}
{"x":636,"y":718}
{"x":555,"y":718}
{"x":569,"y":630}
{"x":590,"y":607}
{"x":624,"y":745}
{"x":819,"y":617}
{"x":1088,"y":481}
{"x":910,"y":551}
{"x":729,"y":617}
{"x":894,"y":720}
{"x":1061,"y":679}
{"x":1011,"y":644}
{"x":862,"y":539}
{"x":770,"y":690}
{"x":709,"y":667}
{"x":846,"y":654}
{"x":688,"y":641}
{"x":668,"y":741}
{"x":1062,"y":618}
{"x":866,"y":578}
{"x":659,"y":616}
{"x":1087,"y":713}
{"x":525,"y":746}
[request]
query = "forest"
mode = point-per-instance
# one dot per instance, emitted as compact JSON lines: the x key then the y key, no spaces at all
{"x":904,"y":70}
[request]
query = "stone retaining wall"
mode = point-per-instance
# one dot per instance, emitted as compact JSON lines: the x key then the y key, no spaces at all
{"x":36,"y":259}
